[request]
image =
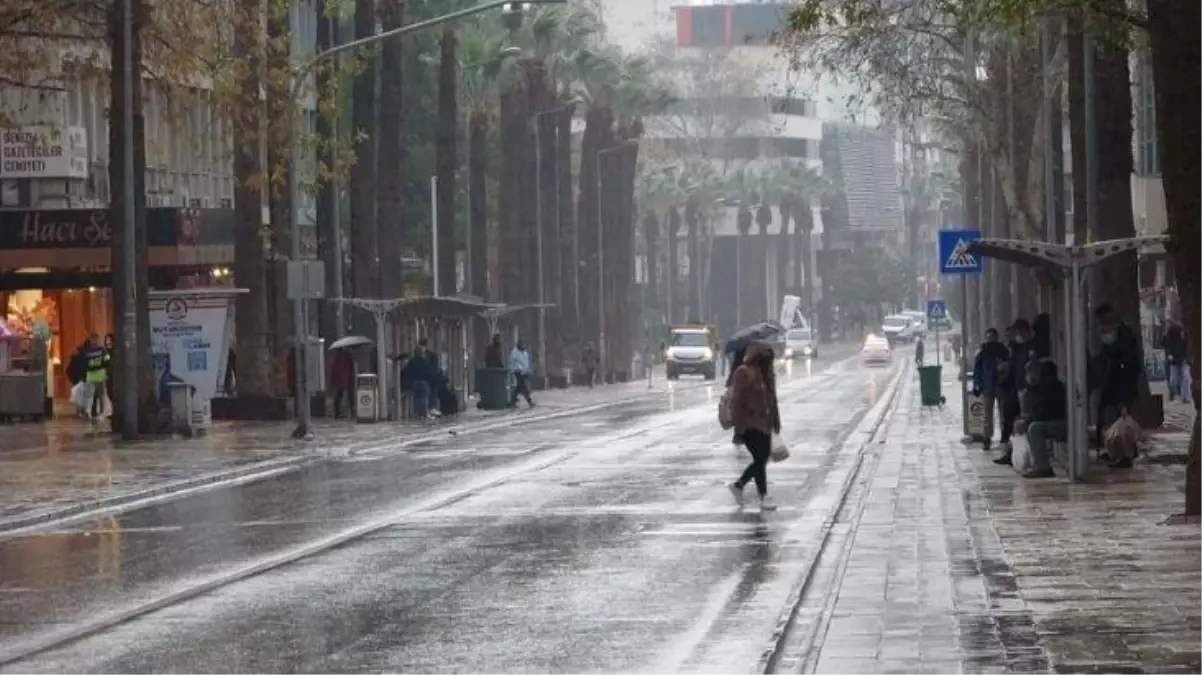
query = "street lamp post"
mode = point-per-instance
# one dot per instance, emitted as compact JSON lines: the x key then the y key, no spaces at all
{"x":601,"y":257}
{"x":538,"y":227}
{"x":300,"y":79}
{"x":129,"y":359}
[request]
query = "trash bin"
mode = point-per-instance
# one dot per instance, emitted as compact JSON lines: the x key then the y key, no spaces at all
{"x":492,"y":385}
{"x":367,"y":407}
{"x":930,"y":385}
{"x":180,"y":396}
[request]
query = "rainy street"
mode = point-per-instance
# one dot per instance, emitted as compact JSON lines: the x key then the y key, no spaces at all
{"x":599,"y":541}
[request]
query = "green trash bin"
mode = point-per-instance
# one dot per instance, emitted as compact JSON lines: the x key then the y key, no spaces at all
{"x":930,"y":384}
{"x":492,"y":384}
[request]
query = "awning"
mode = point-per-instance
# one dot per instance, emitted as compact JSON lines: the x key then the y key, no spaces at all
{"x":1050,"y":256}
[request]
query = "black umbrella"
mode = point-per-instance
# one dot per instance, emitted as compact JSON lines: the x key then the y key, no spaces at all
{"x":766,"y":331}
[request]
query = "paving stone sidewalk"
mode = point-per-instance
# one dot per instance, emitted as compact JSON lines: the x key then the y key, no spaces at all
{"x":62,"y":466}
{"x":955,"y":564}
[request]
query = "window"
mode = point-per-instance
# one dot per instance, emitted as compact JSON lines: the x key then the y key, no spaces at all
{"x":799,"y":148}
{"x":742,"y":148}
{"x":755,"y":24}
{"x":690,"y":339}
{"x":709,"y":26}
{"x":1145,"y":115}
{"x":800,"y":107}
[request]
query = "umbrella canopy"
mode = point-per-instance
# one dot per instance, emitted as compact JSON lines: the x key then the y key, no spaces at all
{"x":350,"y":341}
{"x":761,"y":331}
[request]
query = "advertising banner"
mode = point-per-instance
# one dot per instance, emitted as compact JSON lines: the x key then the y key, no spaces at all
{"x":190,"y":328}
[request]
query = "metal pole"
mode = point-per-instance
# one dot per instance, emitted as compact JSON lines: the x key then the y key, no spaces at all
{"x":1080,"y":392}
{"x":434,"y":230}
{"x":538,"y":239}
{"x":300,"y":328}
{"x":129,"y":360}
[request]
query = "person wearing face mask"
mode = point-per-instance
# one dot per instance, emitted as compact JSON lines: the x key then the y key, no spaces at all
{"x":989,"y":370}
{"x":1013,"y":384}
{"x":1119,"y":368}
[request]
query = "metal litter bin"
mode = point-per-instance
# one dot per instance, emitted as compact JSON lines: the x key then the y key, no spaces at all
{"x":492,"y":384}
{"x":367,"y":404}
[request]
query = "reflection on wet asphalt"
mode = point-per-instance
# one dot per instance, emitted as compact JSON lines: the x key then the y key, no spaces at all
{"x":603,"y":541}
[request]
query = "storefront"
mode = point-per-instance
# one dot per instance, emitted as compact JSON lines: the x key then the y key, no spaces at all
{"x":56,"y":266}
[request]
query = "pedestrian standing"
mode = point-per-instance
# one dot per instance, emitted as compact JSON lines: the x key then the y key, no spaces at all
{"x":342,"y":380}
{"x":1176,"y":354}
{"x":96,"y":360}
{"x":519,"y":365}
{"x":1012,"y":384}
{"x":109,"y":346}
{"x":588,"y":358}
{"x":493,"y":356}
{"x":919,"y":351}
{"x":756,"y":417}
{"x":988,"y":369}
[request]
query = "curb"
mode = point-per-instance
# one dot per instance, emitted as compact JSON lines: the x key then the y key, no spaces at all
{"x":270,"y":468}
{"x":875,"y":418}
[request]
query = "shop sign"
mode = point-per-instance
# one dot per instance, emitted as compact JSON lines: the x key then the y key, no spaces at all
{"x":44,"y":152}
{"x":62,"y":229}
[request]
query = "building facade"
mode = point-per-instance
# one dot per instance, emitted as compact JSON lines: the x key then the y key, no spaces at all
{"x":55,"y":223}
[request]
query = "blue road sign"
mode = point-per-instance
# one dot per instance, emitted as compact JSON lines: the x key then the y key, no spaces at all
{"x":936,"y":310}
{"x":954,"y":257}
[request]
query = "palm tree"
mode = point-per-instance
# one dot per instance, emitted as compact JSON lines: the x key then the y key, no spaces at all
{"x":483,"y":58}
{"x":802,"y":186}
{"x":446,"y":156}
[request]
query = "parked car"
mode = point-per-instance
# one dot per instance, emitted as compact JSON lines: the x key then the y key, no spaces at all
{"x":918,"y":320}
{"x":897,"y":328}
{"x":800,"y":343}
{"x":876,"y":351}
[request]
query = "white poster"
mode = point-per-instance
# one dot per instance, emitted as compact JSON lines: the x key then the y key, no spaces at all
{"x":44,"y":152}
{"x":788,"y":311}
{"x":191,"y":328}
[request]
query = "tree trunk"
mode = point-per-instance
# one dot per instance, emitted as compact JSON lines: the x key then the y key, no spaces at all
{"x":1173,"y":27}
{"x":547,"y":288}
{"x":803,"y":231}
{"x":693,"y":220}
{"x":252,"y":343}
{"x":1112,"y":92}
{"x":970,"y":184}
{"x":391,"y":154}
{"x":365,"y":236}
{"x":447,"y":159}
{"x":569,"y":259}
{"x":596,"y":122}
{"x":782,"y":252}
{"x":672,"y":277}
{"x":478,"y":191}
{"x":651,"y":239}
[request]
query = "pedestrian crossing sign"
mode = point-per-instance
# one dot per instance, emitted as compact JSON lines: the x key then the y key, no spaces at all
{"x":936,"y":310}
{"x":954,"y":256}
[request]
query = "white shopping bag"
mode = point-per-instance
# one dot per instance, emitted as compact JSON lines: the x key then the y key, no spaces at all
{"x":79,"y":396}
{"x":1020,"y":454}
{"x":780,"y":451}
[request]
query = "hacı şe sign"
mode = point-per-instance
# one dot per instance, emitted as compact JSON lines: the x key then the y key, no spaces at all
{"x":44,"y":152}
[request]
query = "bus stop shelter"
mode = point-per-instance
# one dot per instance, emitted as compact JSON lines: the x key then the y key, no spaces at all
{"x":1066,"y":264}
{"x":445,"y":321}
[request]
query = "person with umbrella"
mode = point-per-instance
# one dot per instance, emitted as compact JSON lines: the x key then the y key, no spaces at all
{"x":342,"y":372}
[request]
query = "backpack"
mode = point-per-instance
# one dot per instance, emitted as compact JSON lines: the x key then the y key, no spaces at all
{"x":77,"y":367}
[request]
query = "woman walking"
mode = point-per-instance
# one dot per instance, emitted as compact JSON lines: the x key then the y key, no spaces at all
{"x":756,"y":417}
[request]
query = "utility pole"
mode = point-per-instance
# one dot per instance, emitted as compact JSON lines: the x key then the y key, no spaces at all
{"x":129,"y":360}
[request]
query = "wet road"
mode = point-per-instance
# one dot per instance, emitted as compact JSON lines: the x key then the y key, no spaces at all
{"x":598,"y":542}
